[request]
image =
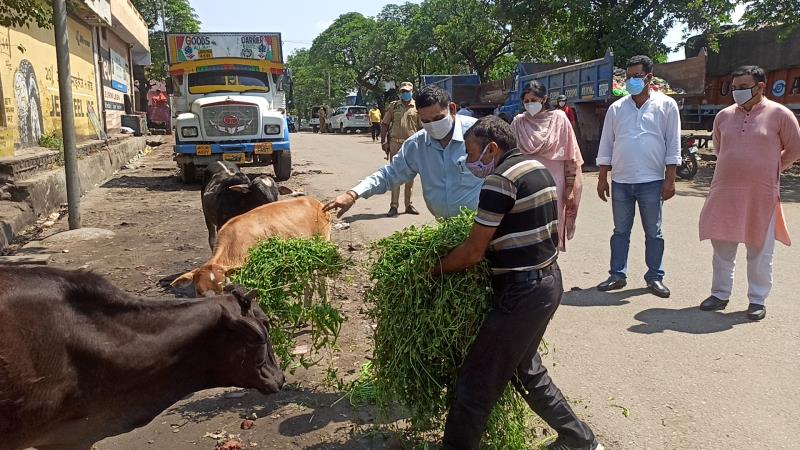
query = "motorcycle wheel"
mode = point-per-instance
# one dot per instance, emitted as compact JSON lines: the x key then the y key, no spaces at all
{"x":688,"y":168}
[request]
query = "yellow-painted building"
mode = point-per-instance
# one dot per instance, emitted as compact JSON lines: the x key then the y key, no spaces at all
{"x":106,"y":38}
{"x":29,"y":84}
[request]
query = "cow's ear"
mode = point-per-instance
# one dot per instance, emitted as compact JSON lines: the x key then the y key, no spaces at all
{"x":283,"y":190}
{"x":240,"y":188}
{"x":184,"y":280}
{"x":248,"y":328}
{"x":245,"y":298}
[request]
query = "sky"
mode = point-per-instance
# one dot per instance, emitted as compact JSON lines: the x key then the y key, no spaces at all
{"x":300,"y":21}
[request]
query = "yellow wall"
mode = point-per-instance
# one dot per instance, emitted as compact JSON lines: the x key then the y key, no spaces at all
{"x":29,"y":84}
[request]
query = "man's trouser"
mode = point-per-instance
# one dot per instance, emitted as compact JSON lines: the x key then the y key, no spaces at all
{"x":759,"y":268}
{"x":506,"y":349}
{"x":394,"y":147}
{"x":376,"y":130}
{"x":624,"y":198}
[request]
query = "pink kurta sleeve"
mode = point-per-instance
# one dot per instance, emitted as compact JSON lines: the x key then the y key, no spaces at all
{"x":790,"y":140}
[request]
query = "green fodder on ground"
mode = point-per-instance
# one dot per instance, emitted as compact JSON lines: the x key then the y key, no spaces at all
{"x":291,"y":278}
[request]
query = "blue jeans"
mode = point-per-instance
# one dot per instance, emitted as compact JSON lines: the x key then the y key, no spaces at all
{"x":624,"y":198}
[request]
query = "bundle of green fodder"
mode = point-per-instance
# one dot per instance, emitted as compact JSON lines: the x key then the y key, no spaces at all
{"x":425,"y":326}
{"x":291,"y":277}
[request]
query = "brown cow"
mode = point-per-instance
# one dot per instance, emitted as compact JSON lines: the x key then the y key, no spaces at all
{"x":80,"y":360}
{"x":298,"y":217}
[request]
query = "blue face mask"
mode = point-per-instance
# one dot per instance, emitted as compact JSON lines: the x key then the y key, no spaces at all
{"x":634,"y":86}
{"x":406,"y":96}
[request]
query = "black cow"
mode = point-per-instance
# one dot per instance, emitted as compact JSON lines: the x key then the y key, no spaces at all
{"x":227,"y":193}
{"x":80,"y":360}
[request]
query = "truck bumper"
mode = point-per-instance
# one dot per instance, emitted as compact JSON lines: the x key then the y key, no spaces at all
{"x":247,"y":147}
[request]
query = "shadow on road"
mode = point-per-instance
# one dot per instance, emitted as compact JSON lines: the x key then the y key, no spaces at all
{"x":687,"y":320}
{"x":701,"y":183}
{"x":365,"y":216}
{"x":593,"y":297}
{"x":161,"y":184}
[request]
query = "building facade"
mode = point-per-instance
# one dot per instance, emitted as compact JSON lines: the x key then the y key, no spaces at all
{"x":106,"y":38}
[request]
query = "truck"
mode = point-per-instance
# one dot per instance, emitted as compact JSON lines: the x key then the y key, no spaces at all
{"x":227,"y":94}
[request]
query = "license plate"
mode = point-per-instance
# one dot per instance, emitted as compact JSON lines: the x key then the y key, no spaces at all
{"x":263,"y":148}
{"x":233,"y":157}
{"x":203,"y":150}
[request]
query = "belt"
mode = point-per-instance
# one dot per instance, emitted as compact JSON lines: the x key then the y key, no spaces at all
{"x":527,"y":275}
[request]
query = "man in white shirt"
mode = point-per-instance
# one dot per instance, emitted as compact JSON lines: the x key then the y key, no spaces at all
{"x":641,"y":147}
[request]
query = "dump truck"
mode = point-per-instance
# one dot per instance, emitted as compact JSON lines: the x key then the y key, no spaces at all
{"x":228,"y":93}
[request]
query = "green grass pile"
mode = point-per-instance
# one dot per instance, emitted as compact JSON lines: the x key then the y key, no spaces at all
{"x":291,"y":278}
{"x":425,"y":326}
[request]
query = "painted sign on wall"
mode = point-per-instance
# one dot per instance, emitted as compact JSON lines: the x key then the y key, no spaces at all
{"x":30,"y":97}
{"x":119,"y":72}
{"x":193,"y":47}
{"x":114,"y":101}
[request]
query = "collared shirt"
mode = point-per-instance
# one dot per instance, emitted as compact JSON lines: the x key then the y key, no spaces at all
{"x":375,"y":115}
{"x":519,"y":199}
{"x":447,"y":185}
{"x":638,"y":143}
{"x":402,"y":120}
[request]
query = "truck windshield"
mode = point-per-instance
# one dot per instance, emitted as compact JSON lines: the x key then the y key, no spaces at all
{"x":228,"y":81}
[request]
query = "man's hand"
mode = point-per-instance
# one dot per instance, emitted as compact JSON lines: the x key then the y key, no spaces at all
{"x":603,"y":189}
{"x":667,"y":189}
{"x":342,"y":203}
{"x":571,"y":205}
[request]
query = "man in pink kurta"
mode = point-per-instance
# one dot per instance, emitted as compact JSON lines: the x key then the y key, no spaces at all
{"x":755,"y":139}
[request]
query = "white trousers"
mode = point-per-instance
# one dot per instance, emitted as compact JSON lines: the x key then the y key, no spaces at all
{"x":759,"y":268}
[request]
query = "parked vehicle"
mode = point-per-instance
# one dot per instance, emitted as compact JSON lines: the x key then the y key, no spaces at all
{"x":227,"y":91}
{"x":690,"y":160}
{"x":349,"y":118}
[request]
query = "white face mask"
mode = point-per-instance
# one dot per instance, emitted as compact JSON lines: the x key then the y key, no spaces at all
{"x":533,"y":108}
{"x":439,"y":129}
{"x":742,"y":96}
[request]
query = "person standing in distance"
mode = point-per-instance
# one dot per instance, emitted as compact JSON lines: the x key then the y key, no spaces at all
{"x":375,"y":121}
{"x":400,"y":122}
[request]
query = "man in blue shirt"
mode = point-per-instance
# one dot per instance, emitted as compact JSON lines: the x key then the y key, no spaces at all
{"x":436,"y":153}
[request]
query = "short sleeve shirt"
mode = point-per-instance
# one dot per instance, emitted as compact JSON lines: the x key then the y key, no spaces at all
{"x":519,"y":199}
{"x":402,"y":120}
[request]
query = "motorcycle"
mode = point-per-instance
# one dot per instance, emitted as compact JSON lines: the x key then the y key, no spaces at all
{"x":690,"y":160}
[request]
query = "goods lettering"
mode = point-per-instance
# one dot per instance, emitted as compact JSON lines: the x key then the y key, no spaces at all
{"x":198,"y":40}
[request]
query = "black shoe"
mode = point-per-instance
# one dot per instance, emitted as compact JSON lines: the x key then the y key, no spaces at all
{"x":713,"y":304}
{"x":756,"y":312}
{"x":411,"y":210}
{"x":392,"y":212}
{"x":561,"y":445}
{"x":658,"y":289}
{"x":612,"y":283}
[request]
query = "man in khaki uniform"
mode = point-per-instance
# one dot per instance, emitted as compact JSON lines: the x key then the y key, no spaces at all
{"x":398,"y":124}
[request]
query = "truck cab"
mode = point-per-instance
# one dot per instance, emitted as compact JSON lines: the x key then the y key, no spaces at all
{"x":228,"y":96}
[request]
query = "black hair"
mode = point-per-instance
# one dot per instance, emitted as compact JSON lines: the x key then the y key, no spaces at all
{"x":536,"y":88}
{"x":645,"y":61}
{"x":432,"y":95}
{"x":493,"y":129}
{"x":756,"y":72}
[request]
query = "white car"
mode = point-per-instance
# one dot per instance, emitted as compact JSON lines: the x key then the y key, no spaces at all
{"x":349,"y":118}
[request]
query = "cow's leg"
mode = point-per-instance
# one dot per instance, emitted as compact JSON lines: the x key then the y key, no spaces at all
{"x":212,"y":235}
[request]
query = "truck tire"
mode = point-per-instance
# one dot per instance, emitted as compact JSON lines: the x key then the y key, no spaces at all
{"x":282,"y":164}
{"x":188,"y":173}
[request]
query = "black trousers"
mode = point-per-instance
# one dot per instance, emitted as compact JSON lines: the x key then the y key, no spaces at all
{"x":506,"y":349}
{"x":376,"y":130}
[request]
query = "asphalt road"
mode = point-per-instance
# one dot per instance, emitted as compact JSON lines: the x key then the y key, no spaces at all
{"x":645,"y":372}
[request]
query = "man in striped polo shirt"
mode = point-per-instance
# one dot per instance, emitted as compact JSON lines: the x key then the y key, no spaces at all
{"x":516,"y":228}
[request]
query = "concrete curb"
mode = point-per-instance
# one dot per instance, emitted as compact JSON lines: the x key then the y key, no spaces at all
{"x":45,"y":192}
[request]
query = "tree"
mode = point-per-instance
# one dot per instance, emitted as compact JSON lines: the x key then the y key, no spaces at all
{"x":180,"y":18}
{"x":584,"y":29}
{"x":16,"y":13}
{"x":761,"y":13}
{"x":310,"y":83}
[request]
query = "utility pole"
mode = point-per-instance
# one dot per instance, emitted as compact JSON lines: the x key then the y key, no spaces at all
{"x":329,"y":84}
{"x":67,"y":113}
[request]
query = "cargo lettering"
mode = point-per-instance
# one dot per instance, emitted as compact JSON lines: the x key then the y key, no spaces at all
{"x":198,"y":40}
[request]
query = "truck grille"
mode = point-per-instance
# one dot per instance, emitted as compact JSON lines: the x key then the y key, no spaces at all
{"x":230,"y":120}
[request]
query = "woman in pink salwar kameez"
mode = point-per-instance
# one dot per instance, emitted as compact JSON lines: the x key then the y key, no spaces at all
{"x":546,"y":134}
{"x":754,"y":140}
